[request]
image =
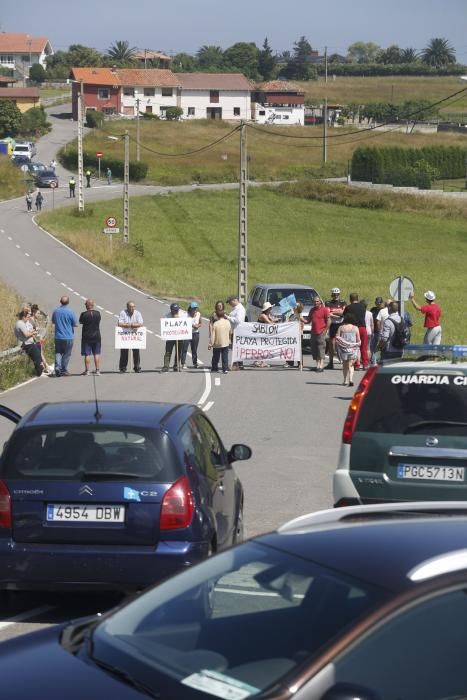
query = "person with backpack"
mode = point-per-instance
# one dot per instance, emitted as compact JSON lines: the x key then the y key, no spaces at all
{"x":394,"y":334}
{"x":29,"y":201}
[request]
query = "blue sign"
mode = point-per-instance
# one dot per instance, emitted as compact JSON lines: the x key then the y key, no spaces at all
{"x":288,"y":303}
{"x":130,"y":494}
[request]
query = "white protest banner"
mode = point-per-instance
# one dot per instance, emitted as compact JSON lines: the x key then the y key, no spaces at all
{"x":130,"y":338}
{"x":176,"y":328}
{"x":267,"y":341}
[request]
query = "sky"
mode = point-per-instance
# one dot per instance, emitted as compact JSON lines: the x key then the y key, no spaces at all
{"x":185,"y":25}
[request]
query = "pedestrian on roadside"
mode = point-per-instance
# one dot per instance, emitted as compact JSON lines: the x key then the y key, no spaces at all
{"x":39,"y":201}
{"x":88,"y":178}
{"x":219,"y":340}
{"x":65,"y":321}
{"x":369,"y":325}
{"x":297,"y":316}
{"x":348,"y":345}
{"x":39,"y":320}
{"x":29,"y":201}
{"x":170,"y":345}
{"x":27,"y":336}
{"x":432,"y":313}
{"x":379,"y":304}
{"x":130,"y":318}
{"x":266,"y":316}
{"x":336,"y":306}
{"x":72,"y":185}
{"x":357,"y":309}
{"x":90,"y":336}
{"x":53,"y":164}
{"x":388,"y":333}
{"x":109,"y":176}
{"x":236,"y":317}
{"x":219,"y":312}
{"x":320,"y":320}
{"x":195,"y":315}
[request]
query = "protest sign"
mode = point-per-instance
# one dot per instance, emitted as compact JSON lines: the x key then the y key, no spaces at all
{"x":261,"y":341}
{"x":176,"y":328}
{"x":130,"y":338}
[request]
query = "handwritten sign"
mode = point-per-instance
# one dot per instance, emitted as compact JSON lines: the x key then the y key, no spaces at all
{"x":176,"y":328}
{"x":130,"y":338}
{"x":263,"y":341}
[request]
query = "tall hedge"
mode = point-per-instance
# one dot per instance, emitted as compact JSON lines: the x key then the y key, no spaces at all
{"x":69,"y":160}
{"x":381,"y":69}
{"x":387,"y":164}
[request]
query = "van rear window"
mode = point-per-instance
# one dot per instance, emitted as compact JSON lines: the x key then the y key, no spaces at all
{"x":105,"y":453}
{"x":422,"y":406}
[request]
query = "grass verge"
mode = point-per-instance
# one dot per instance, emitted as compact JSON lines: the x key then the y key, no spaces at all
{"x":12,"y":180}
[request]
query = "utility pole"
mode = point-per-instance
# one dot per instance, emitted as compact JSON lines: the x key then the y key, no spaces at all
{"x":138,"y":150}
{"x":126,"y":196}
{"x":325,"y":130}
{"x":243,"y":219}
{"x":80,"y":149}
{"x":325,"y":64}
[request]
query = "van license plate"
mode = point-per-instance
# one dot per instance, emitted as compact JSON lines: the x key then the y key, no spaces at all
{"x":68,"y":513}
{"x":429,"y":472}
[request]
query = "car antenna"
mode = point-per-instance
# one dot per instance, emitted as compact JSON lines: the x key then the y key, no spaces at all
{"x":97,"y":413}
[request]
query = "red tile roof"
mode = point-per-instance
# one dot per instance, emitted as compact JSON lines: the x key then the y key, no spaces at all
{"x":148,"y":54}
{"x":6,"y":80}
{"x":19,"y":92}
{"x":150,"y":77}
{"x":214,"y":81}
{"x":22,"y":43}
{"x":280,"y":86}
{"x":96,"y":76}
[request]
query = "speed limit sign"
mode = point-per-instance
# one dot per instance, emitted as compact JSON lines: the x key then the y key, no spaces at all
{"x":53,"y":184}
{"x":111,"y":222}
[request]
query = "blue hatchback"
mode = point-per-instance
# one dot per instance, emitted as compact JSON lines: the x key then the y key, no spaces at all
{"x":118,"y":495}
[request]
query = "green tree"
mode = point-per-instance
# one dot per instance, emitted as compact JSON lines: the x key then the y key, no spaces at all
{"x":389,"y":56}
{"x":438,"y":53}
{"x":121,"y":52}
{"x":57,"y":65}
{"x":173,"y":113}
{"x":299,"y":67}
{"x":362,"y":52}
{"x":34,"y":122}
{"x":243,"y":58}
{"x":37,"y":73}
{"x":210,"y":57}
{"x":266,"y":61}
{"x":409,"y":56}
{"x":183,"y":63}
{"x":10,"y":118}
{"x":80,"y":56}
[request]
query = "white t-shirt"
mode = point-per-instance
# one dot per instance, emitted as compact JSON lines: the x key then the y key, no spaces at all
{"x":237,"y":315}
{"x":382,"y":315}
{"x":368,"y":319}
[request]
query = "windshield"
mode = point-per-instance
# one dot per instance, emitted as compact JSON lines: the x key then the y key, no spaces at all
{"x":232,"y":626}
{"x":306,"y":296}
{"x":71,"y":453}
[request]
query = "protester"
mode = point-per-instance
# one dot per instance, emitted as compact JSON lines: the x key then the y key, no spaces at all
{"x":236,"y":317}
{"x":432,"y":313}
{"x":37,"y":319}
{"x":65,"y":321}
{"x":389,"y":351}
{"x":336,"y":306}
{"x":72,"y":185}
{"x":379,"y":304}
{"x":266,"y":316}
{"x":320,"y":320}
{"x":369,"y":325}
{"x":130,"y":318}
{"x":195,"y":315}
{"x":219,"y":339}
{"x":297,"y":316}
{"x":29,"y":201}
{"x":174,"y":312}
{"x":90,"y":336}
{"x":348,"y":342}
{"x":39,"y":201}
{"x":357,"y":309}
{"x":27,"y":336}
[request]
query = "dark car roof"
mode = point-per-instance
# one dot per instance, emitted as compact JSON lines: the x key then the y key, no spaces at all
{"x":47,"y":173}
{"x":380,"y":552}
{"x":143,"y":414}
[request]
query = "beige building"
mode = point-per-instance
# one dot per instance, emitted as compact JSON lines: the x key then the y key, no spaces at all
{"x":24,"y":98}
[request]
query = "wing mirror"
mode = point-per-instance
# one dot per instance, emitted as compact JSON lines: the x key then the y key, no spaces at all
{"x":238,"y":453}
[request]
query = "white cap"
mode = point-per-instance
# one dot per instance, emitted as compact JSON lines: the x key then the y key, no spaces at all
{"x":335,"y":290}
{"x":429,"y":295}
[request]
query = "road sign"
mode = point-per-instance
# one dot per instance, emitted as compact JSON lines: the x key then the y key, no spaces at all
{"x":99,"y":154}
{"x":24,"y":168}
{"x":111,"y":229}
{"x":53,"y":184}
{"x":111,"y":222}
{"x":401,"y":288}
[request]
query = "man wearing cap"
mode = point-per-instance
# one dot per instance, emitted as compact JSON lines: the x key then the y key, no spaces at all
{"x":432,"y":313}
{"x":236,"y":316}
{"x":174,"y":312}
{"x":336,"y":306}
{"x":194,"y":314}
{"x":130,"y":318}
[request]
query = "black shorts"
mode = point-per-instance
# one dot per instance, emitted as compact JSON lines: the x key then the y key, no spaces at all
{"x":333,"y":329}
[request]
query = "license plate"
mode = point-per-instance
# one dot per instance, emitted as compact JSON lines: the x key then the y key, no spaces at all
{"x":67,"y":513}
{"x":429,"y":472}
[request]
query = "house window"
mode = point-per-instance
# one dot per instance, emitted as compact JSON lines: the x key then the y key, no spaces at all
{"x":103,"y":94}
{"x":129,"y":91}
{"x":167,"y":92}
{"x":149,"y":92}
{"x":25,"y":59}
{"x":191,"y":111}
{"x":262,"y":112}
{"x":108,"y":110}
{"x":7,"y":59}
{"x":148,"y":109}
{"x":236,"y":111}
{"x":214,"y":96}
{"x":285,"y":116}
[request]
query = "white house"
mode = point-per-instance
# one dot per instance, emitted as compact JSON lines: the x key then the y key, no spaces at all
{"x":278,"y":102}
{"x":19,"y":51}
{"x":215,"y":96}
{"x":148,"y":90}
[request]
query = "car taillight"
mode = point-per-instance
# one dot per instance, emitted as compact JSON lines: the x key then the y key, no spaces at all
{"x":177,"y":506}
{"x":5,"y":506}
{"x":355,"y":405}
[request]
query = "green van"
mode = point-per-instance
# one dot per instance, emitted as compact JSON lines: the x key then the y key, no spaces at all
{"x":405,"y":433}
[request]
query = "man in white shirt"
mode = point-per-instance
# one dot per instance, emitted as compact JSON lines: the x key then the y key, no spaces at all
{"x":130,"y":318}
{"x":236,"y":316}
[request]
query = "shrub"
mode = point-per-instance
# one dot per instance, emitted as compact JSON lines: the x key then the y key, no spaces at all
{"x":34,"y":122}
{"x":94,"y":119}
{"x":69,"y":160}
{"x":173,"y":113}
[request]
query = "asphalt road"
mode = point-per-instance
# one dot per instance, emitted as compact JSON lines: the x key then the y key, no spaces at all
{"x":291,"y":419}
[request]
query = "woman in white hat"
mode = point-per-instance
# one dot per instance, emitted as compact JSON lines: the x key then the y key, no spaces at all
{"x":265,"y":316}
{"x":432,"y":313}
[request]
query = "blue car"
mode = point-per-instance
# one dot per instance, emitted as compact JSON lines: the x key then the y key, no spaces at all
{"x":117,"y":495}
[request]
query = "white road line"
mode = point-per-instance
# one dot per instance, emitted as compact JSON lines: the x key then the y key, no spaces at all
{"x":84,"y":298}
{"x":157,"y":334}
{"x":208,"y":406}
{"x":217,"y":381}
{"x":150,"y":331}
{"x":18,"y":246}
{"x":10,"y":238}
{"x":109,"y":312}
{"x":70,"y":289}
{"x":35,"y":612}
{"x":78,"y":294}
{"x":207,"y":390}
{"x":27,"y":255}
{"x":63,"y":284}
{"x":48,"y":273}
{"x":37,"y":263}
{"x":101,"y":308}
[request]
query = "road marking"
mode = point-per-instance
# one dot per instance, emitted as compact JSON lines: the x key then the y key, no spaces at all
{"x":151,"y":332}
{"x":18,"y":246}
{"x":27,"y":255}
{"x":101,"y":308}
{"x":79,"y":295}
{"x":69,"y":288}
{"x":63,"y":284}
{"x":217,"y":381}
{"x":207,"y":390}
{"x":208,"y":406}
{"x":10,"y":238}
{"x":37,"y":263}
{"x":35,"y":612}
{"x":48,"y":273}
{"x":109,"y":312}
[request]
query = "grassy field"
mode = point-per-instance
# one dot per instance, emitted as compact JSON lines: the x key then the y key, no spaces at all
{"x":12,"y":183}
{"x":291,"y":238}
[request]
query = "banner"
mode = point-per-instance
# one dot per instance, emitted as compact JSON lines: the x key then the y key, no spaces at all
{"x":254,"y":342}
{"x":176,"y":328}
{"x":288,"y":303}
{"x":130,"y":338}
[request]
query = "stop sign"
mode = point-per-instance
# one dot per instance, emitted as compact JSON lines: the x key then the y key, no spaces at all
{"x":99,"y":154}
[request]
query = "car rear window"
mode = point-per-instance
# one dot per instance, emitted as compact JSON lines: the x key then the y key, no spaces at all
{"x":106,"y":453}
{"x":410,"y":403}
